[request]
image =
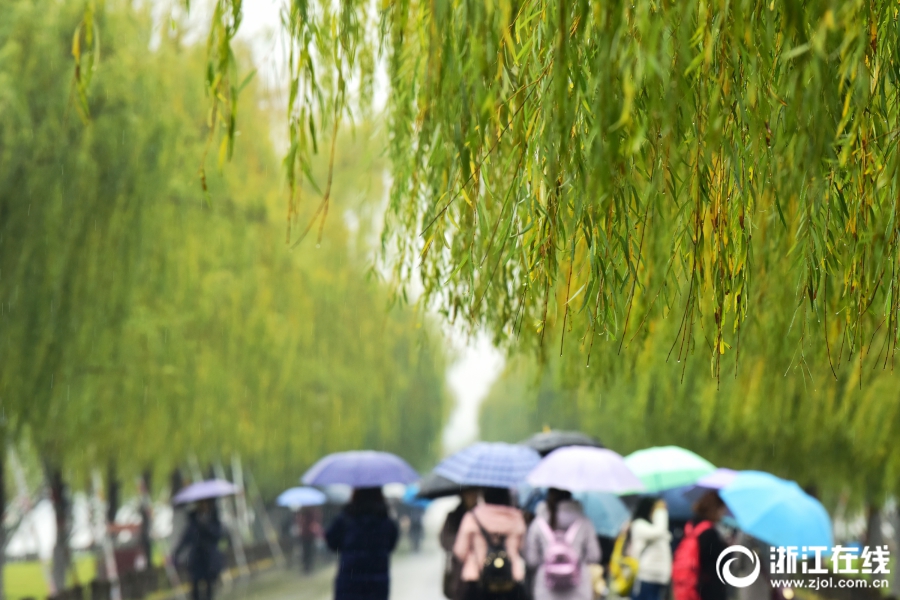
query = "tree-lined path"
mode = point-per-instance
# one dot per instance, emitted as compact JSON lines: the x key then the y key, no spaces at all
{"x":413,"y":577}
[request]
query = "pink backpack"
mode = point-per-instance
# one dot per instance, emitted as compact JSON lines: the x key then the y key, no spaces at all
{"x":562,"y":563}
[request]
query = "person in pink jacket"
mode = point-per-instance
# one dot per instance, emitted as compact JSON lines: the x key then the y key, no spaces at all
{"x":495,"y":530}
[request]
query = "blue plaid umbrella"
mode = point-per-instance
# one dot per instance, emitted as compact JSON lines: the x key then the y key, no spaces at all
{"x":489,"y":465}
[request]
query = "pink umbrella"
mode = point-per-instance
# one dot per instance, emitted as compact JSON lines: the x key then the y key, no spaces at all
{"x":584,"y":469}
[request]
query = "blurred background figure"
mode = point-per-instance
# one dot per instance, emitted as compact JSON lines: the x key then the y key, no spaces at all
{"x":309,"y":532}
{"x":201,"y":542}
{"x":364,"y":535}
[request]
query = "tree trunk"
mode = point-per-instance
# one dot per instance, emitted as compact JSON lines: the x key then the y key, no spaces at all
{"x":3,"y":532}
{"x":874,"y":536}
{"x":146,"y":517}
{"x":61,"y":555}
{"x":112,"y":492}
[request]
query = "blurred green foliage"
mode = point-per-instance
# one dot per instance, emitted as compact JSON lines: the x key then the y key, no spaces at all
{"x":142,"y":322}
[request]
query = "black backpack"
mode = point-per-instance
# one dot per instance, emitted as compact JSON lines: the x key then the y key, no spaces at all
{"x":496,"y":572}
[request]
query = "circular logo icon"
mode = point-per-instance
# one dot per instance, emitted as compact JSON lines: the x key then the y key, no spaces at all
{"x":724,"y":570}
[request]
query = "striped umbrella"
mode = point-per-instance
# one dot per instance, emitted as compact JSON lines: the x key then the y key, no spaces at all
{"x":485,"y":464}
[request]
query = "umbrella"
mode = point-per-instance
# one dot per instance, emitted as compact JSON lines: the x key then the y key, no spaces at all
{"x":680,"y":508}
{"x":582,"y":469}
{"x":338,"y":493}
{"x":412,"y":497}
{"x":667,"y":467}
{"x":606,"y":511}
{"x":205,"y":490}
{"x":434,"y":486}
{"x":715,"y":481}
{"x":777,"y":511}
{"x":548,"y":441}
{"x":301,"y":496}
{"x":360,"y":469}
{"x":489,"y":465}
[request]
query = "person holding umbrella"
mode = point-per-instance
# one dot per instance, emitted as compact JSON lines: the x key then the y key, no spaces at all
{"x":650,"y":547}
{"x":694,"y":574}
{"x":453,"y":586}
{"x":201,"y":541}
{"x":365,"y":536}
{"x":488,"y":546}
{"x":363,"y":533}
{"x":561,"y":543}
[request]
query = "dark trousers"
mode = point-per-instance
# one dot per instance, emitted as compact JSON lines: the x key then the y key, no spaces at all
{"x":202,"y":589}
{"x":644,"y":590}
{"x":308,"y":551}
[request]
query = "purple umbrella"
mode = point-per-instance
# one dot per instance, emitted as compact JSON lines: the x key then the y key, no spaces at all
{"x":205,"y":490}
{"x":360,"y":469}
{"x":584,"y":469}
{"x":718,"y":479}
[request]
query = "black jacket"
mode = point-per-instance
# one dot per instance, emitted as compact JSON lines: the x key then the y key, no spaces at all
{"x":709,"y":585}
{"x":201,"y":541}
{"x":365,"y":542}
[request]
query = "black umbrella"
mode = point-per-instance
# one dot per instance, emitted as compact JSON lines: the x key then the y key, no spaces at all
{"x":434,"y":486}
{"x":548,"y":441}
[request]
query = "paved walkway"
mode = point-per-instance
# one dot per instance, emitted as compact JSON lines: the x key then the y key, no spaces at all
{"x":413,"y":577}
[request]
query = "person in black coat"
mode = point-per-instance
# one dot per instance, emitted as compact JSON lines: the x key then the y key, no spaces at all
{"x":364,"y":536}
{"x":201,"y":541}
{"x":710,"y":508}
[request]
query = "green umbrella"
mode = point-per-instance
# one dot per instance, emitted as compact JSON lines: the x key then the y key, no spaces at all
{"x":667,"y":467}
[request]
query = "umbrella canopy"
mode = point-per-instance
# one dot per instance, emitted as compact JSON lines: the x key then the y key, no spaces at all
{"x":360,"y":469}
{"x":606,"y":511}
{"x":548,"y":441}
{"x":434,"y":486}
{"x":667,"y":467}
{"x":679,"y":507}
{"x":486,"y":464}
{"x":583,"y":469}
{"x":205,"y":490}
{"x":296,"y":497}
{"x":412,"y":497}
{"x":715,"y":481}
{"x":777,"y":511}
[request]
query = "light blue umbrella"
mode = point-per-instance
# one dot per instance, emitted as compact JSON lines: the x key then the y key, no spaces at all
{"x":412,"y":498}
{"x":777,"y":511}
{"x":606,"y":511}
{"x":301,"y":496}
{"x":486,"y":464}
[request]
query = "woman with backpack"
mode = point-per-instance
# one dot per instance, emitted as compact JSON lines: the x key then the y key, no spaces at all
{"x":694,"y":574}
{"x":650,"y":547}
{"x":561,"y":543}
{"x":488,"y":546}
{"x":364,"y":535}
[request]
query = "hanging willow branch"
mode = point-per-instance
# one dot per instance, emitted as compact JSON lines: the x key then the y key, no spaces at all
{"x":673,"y":142}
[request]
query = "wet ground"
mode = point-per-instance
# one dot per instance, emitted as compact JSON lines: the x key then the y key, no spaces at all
{"x":413,"y":577}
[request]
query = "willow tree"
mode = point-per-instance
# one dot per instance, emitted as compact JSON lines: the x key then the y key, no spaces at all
{"x":143,"y":322}
{"x":608,"y":150}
